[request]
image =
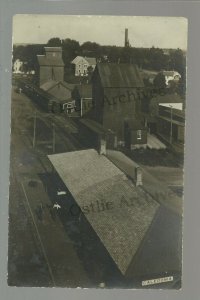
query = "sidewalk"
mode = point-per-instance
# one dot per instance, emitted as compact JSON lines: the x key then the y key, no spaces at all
{"x":157,"y":189}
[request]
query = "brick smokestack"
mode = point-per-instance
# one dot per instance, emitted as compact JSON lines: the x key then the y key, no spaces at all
{"x":126,"y":42}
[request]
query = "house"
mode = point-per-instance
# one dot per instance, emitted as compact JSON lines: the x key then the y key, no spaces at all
{"x":116,"y":90}
{"x":119,"y":212}
{"x":51,"y":65}
{"x":171,"y":76}
{"x":82,"y":64}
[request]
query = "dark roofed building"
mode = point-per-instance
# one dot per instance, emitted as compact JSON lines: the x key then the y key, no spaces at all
{"x":118,"y":211}
{"x":116,"y":95}
{"x":61,"y":89}
{"x":51,"y":65}
{"x":120,"y":75}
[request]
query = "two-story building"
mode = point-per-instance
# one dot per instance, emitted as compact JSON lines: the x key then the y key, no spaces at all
{"x":83,"y":65}
{"x":117,"y":102}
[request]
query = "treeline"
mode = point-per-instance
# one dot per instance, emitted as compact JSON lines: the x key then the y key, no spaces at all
{"x":150,"y":59}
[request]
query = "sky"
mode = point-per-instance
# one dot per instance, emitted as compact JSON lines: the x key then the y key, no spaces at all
{"x":162,"y":32}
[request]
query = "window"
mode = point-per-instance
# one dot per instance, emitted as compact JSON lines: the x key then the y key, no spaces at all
{"x":139,"y":134}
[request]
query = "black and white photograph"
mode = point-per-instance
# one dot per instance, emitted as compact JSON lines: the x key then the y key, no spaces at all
{"x":97,"y":151}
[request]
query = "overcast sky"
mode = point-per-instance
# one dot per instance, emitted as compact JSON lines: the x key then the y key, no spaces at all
{"x":162,"y":32}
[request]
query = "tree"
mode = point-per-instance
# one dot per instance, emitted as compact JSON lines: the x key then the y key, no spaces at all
{"x":71,"y":49}
{"x":91,"y":49}
{"x":54,"y":42}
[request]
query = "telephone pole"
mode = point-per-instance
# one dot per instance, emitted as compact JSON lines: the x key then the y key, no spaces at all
{"x":34,"y":130}
{"x":54,"y":138}
{"x":170,"y":124}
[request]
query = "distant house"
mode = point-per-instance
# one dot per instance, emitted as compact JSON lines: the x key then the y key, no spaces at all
{"x":82,"y":64}
{"x":18,"y":67}
{"x":116,"y":96}
{"x":171,"y":76}
{"x":51,"y":65}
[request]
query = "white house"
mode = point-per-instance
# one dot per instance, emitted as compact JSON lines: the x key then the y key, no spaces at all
{"x":171,"y":75}
{"x":82,"y":64}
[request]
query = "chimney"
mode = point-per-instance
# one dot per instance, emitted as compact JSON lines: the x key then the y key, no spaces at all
{"x":126,"y":42}
{"x":138,"y":176}
{"x":102,"y":145}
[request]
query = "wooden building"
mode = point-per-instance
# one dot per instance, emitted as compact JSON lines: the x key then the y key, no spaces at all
{"x":116,"y":92}
{"x":51,"y":65}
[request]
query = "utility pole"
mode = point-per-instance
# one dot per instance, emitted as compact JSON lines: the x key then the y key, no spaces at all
{"x":170,"y":124}
{"x":54,"y":138}
{"x":34,"y":129}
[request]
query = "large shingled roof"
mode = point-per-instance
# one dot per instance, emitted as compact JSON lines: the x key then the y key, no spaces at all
{"x":119,"y":75}
{"x":92,"y":178}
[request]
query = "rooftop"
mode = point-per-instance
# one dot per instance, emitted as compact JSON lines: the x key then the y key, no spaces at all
{"x":52,"y":83}
{"x":90,"y":60}
{"x":53,"y":49}
{"x":53,"y":61}
{"x":119,"y":75}
{"x":92,"y":178}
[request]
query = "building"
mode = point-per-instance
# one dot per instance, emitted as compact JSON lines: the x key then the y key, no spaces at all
{"x":135,"y":134}
{"x":51,"y":65}
{"x":119,"y":212}
{"x":116,"y":95}
{"x":165,"y":117}
{"x":82,"y":64}
{"x":63,"y":92}
{"x":150,"y":108}
{"x":171,"y":76}
{"x":171,"y":125}
{"x":82,"y":94}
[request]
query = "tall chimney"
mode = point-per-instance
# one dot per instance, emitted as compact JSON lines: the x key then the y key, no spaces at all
{"x":126,"y":43}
